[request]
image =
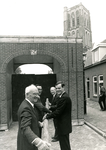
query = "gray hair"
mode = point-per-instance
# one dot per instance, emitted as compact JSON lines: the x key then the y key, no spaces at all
{"x":52,"y":88}
{"x":29,"y":88}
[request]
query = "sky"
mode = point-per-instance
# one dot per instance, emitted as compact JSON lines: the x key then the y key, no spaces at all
{"x":45,"y":17}
{"x":35,"y":69}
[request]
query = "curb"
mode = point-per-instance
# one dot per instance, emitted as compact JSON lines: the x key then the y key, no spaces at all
{"x":100,"y":132}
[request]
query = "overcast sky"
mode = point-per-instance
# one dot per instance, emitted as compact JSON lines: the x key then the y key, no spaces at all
{"x":35,"y":69}
{"x":45,"y":17}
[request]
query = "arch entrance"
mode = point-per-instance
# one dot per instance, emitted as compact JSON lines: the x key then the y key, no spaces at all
{"x":38,"y":59}
{"x":21,"y":81}
{"x":63,"y":55}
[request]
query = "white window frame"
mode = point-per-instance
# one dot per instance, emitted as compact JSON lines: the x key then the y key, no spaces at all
{"x":94,"y":82}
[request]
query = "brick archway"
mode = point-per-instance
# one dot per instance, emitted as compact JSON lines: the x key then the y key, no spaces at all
{"x":66,"y":52}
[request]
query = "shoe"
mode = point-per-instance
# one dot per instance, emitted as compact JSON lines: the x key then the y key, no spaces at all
{"x":102,"y":110}
{"x":54,"y":137}
{"x":54,"y":140}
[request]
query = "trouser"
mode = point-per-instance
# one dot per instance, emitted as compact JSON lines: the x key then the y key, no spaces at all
{"x":64,"y":142}
{"x":55,"y":126}
{"x":102,"y":102}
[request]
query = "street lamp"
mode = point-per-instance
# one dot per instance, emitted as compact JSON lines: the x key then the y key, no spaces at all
{"x":84,"y":58}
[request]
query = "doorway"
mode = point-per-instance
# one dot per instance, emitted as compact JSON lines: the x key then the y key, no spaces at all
{"x":21,"y":81}
{"x":88,"y":88}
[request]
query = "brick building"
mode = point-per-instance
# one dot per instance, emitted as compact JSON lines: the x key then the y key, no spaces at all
{"x":95,"y":72}
{"x":63,"y":55}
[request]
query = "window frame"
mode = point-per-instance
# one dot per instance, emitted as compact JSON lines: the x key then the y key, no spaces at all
{"x":94,"y":83}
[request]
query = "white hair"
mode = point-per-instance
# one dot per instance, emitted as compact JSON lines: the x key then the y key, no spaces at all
{"x":52,"y":88}
{"x":29,"y":88}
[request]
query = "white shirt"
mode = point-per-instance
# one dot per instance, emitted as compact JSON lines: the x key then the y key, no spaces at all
{"x":30,"y":102}
{"x":62,"y":94}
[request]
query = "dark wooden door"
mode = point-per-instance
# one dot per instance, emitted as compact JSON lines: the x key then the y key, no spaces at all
{"x":21,"y":81}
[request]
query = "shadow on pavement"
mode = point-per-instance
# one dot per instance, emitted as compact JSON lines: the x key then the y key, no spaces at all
{"x":95,"y":117}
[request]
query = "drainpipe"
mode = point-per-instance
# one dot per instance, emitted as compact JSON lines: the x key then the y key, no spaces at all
{"x":68,"y":66}
{"x":76,"y":77}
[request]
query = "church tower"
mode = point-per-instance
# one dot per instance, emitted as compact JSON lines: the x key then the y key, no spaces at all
{"x":77,"y":24}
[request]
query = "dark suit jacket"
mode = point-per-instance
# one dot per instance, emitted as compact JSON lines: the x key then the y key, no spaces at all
{"x":41,"y":109}
{"x":63,"y":115}
{"x":54,"y":103}
{"x":28,"y":126}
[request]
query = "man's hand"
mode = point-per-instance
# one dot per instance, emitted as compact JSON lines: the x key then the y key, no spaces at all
{"x":44,"y":117}
{"x":49,"y":104}
{"x":41,"y":145}
{"x":41,"y":124}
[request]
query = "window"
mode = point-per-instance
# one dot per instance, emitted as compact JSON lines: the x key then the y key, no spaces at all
{"x":73,"y":22}
{"x":78,"y":21}
{"x":88,"y":87}
{"x":95,"y":85}
{"x":73,"y":33}
{"x":73,"y":19}
{"x":68,"y":21}
{"x":100,"y":79}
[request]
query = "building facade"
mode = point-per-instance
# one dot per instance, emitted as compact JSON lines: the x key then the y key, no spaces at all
{"x":77,"y":24}
{"x":95,"y":72}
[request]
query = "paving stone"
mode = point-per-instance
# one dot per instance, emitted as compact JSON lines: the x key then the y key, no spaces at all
{"x":82,"y":137}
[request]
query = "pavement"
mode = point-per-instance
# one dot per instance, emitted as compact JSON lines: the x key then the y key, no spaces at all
{"x":95,"y":118}
{"x":90,"y":136}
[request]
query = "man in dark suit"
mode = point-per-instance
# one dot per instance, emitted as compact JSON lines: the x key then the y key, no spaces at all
{"x":62,"y":114}
{"x":42,"y":97}
{"x":28,"y":132}
{"x":102,"y":97}
{"x":53,"y":107}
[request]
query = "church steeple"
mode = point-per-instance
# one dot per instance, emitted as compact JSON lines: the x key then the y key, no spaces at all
{"x":77,"y":24}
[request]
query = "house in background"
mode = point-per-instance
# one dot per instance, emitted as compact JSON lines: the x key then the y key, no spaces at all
{"x":95,"y":71}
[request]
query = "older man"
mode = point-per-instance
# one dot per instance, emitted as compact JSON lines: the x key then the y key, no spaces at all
{"x":53,"y":107}
{"x":28,"y":132}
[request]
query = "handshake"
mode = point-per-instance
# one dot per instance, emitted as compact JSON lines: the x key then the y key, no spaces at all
{"x":44,"y":117}
{"x":41,"y":123}
{"x":41,"y":145}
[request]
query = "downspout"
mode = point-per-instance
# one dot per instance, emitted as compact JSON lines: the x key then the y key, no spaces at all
{"x":68,"y":66}
{"x":76,"y":77}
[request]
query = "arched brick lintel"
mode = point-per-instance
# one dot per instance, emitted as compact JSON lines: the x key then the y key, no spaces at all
{"x":26,"y":52}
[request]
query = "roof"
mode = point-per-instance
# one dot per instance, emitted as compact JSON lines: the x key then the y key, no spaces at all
{"x":104,"y":41}
{"x":103,"y":58}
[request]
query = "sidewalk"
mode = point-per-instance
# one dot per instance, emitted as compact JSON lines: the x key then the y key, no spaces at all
{"x":95,"y":117}
{"x":82,"y":137}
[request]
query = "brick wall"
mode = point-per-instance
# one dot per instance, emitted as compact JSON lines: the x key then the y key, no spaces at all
{"x":68,"y":54}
